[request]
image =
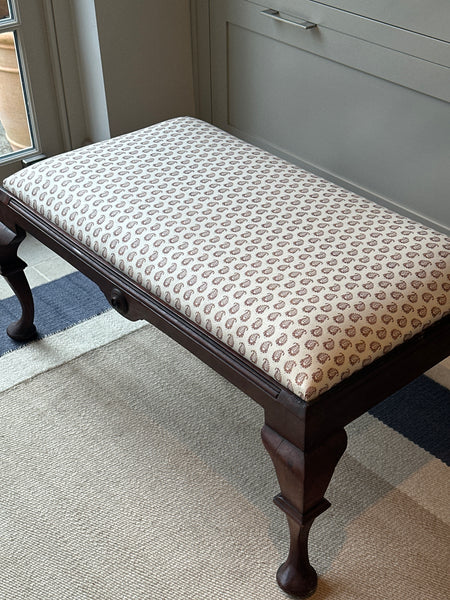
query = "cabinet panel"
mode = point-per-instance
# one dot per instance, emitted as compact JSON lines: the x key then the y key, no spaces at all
{"x":430,"y":18}
{"x":332,"y":103}
{"x":331,"y":19}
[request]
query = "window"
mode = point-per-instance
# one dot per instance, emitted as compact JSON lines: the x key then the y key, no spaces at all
{"x":31,"y":113}
{"x":14,"y":122}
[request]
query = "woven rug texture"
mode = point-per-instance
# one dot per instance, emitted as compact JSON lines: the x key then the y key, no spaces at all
{"x":131,"y":471}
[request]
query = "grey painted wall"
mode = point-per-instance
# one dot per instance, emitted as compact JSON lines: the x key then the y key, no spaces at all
{"x":146,"y":57}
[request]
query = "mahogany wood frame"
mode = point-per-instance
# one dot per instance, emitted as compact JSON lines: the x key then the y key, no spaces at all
{"x":305,"y":440}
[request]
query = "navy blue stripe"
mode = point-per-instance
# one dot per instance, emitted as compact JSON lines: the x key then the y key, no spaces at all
{"x":59,"y":304}
{"x":420,"y":412}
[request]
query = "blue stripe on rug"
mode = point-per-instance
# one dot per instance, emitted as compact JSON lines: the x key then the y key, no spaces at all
{"x":59,"y":304}
{"x":421,"y":412}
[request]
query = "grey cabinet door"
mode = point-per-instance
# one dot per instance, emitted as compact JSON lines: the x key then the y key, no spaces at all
{"x":430,"y":17}
{"x":372,"y":118}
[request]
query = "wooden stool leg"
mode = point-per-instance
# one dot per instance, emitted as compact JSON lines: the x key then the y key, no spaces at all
{"x":12,"y":267}
{"x":303,"y":479}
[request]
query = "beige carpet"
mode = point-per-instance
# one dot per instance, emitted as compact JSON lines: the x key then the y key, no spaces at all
{"x":133,"y":472}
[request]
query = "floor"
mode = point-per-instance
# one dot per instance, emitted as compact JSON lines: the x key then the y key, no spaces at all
{"x":44,"y":266}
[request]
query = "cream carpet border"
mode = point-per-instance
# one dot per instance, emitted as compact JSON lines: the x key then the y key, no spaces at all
{"x":55,"y":350}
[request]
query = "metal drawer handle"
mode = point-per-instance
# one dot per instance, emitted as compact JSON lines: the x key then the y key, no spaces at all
{"x":275,"y":14}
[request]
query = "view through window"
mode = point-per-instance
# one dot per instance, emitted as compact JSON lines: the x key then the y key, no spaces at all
{"x":14,"y":123}
{"x":4,"y":10}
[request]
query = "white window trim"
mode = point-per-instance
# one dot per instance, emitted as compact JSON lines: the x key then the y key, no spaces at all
{"x":77,"y":67}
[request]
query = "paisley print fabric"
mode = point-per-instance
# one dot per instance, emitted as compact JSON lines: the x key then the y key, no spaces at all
{"x":305,"y":280}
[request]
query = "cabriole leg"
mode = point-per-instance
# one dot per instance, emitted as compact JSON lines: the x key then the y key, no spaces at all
{"x":12,"y":267}
{"x":303,"y":479}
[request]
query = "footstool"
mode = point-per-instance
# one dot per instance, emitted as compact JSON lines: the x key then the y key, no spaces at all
{"x":316,"y":302}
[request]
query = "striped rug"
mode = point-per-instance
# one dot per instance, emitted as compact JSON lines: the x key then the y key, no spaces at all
{"x":131,"y":471}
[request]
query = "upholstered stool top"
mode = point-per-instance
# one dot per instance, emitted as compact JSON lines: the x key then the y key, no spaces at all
{"x":304,"y":279}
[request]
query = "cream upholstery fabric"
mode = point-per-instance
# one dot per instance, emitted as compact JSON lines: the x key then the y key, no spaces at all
{"x":304,"y":279}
